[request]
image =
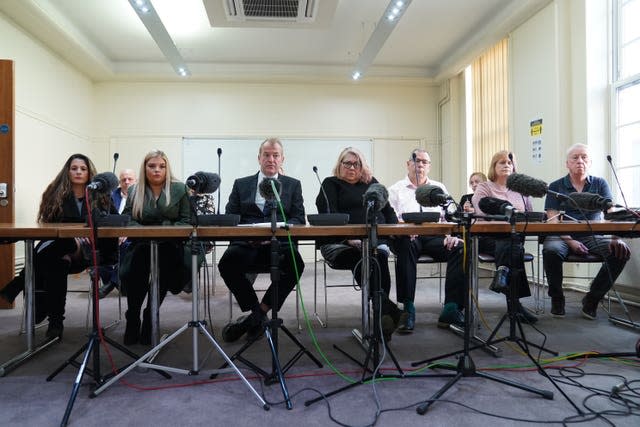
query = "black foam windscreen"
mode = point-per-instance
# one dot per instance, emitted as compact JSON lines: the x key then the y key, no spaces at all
{"x":377,"y":194}
{"x":105,"y":181}
{"x":203,"y":182}
{"x":494,"y":206}
{"x":526,"y":185}
{"x":591,"y":201}
{"x":431,"y":196}
{"x":266,"y":189}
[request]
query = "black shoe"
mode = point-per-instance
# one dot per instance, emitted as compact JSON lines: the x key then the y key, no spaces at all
{"x":55,"y":328}
{"x":388,"y":326}
{"x":450,"y":315}
{"x":557,"y":306}
{"x":407,"y":322}
{"x":106,"y":289}
{"x":500,"y":282}
{"x":525,"y":315}
{"x":132,"y":330}
{"x":187,"y":288}
{"x":256,"y":329}
{"x":234,"y":330}
{"x":5,"y":300}
{"x":145,"y":330}
{"x":589,"y":308}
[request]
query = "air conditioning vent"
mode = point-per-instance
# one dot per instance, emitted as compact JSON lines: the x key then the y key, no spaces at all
{"x":270,"y":13}
{"x":279,"y":10}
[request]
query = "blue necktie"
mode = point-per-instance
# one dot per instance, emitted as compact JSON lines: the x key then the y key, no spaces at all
{"x":268,"y":205}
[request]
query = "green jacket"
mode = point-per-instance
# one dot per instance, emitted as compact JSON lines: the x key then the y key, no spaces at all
{"x":158,"y":213}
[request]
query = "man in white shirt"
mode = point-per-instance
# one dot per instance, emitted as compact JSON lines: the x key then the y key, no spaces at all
{"x":442,"y":248}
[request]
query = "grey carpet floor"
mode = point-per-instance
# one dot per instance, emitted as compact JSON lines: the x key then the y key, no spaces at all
{"x":143,"y":397}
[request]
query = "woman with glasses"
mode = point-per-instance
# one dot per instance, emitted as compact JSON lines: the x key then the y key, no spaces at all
{"x":345,"y":190}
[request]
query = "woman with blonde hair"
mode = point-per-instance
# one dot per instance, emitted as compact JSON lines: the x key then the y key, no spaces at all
{"x":351,"y":179}
{"x":157,"y":199}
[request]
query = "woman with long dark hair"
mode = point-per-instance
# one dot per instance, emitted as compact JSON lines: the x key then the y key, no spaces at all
{"x":62,"y":201}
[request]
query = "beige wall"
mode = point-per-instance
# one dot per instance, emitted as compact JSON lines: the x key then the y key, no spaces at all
{"x":553,"y":76}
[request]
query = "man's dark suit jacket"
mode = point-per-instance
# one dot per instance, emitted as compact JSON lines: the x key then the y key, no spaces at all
{"x":242,"y":201}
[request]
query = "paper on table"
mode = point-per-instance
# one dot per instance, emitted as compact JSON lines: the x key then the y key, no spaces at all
{"x":262,"y":224}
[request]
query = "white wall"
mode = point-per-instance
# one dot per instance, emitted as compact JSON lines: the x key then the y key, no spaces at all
{"x":53,"y":111}
{"x":559,"y":72}
{"x":134,"y":117}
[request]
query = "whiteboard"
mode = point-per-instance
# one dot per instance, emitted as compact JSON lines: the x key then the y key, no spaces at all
{"x":239,"y":158}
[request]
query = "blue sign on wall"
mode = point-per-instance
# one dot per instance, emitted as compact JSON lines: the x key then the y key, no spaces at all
{"x":4,"y":128}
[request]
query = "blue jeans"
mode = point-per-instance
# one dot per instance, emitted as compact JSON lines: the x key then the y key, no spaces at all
{"x":555,"y":251}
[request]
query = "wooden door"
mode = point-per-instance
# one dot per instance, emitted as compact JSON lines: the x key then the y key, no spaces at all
{"x":7,"y":208}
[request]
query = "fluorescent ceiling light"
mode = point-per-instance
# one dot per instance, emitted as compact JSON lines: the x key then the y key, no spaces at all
{"x":149,"y":17}
{"x":388,"y":21}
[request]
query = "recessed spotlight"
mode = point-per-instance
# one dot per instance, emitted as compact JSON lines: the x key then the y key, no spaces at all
{"x":139,"y":2}
{"x":391,"y":17}
{"x":395,"y":11}
{"x":144,"y":9}
{"x":399,"y":3}
{"x":355,"y":75}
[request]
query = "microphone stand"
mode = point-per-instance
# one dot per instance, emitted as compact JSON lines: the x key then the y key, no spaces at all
{"x":272,"y":326}
{"x":374,"y":335}
{"x":92,"y":346}
{"x":465,"y":366}
{"x":196,"y":326}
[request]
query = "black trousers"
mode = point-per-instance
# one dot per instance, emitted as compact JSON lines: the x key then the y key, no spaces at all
{"x":244,"y":257}
{"x":408,"y":251}
{"x":136,"y":279}
{"x":345,"y":257}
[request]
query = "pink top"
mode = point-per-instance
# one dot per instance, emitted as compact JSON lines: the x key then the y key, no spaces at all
{"x":491,"y":189}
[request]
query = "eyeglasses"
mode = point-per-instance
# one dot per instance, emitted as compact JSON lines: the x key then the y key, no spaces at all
{"x":351,"y":165}
{"x":423,"y":161}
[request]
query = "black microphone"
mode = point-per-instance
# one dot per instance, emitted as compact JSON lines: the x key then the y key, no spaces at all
{"x":495,"y":206}
{"x":324,"y":193}
{"x":376,"y":196}
{"x":203,"y":182}
{"x":115,"y":160}
{"x":591,"y":201}
{"x":528,"y":186}
{"x":431,"y":196}
{"x":105,"y":181}
{"x":615,"y":175}
{"x":415,"y":168}
{"x":220,"y":174}
{"x":269,"y":188}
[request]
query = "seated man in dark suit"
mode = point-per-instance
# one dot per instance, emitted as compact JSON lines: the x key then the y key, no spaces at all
{"x":243,"y":257}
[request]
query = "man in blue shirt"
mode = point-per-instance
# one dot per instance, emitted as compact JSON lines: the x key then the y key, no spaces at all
{"x":614,"y":252}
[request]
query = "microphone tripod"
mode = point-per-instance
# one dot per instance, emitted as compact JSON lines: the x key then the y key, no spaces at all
{"x":374,"y":337}
{"x":465,"y":366}
{"x":272,"y":326}
{"x":92,"y":346}
{"x":196,"y":326}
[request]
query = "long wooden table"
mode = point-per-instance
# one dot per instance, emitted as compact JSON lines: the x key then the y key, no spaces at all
{"x":30,"y":232}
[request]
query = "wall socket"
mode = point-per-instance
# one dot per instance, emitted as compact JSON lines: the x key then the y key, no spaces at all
{"x":3,"y":190}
